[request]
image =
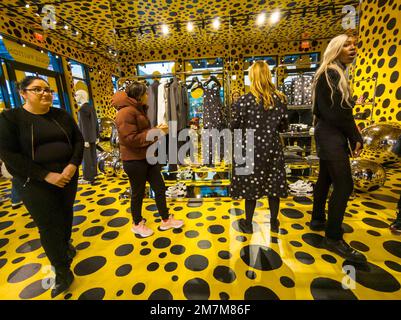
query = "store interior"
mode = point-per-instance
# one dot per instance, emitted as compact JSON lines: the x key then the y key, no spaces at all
{"x":100,"y":46}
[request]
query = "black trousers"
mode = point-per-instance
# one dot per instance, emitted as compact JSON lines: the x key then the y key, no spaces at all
{"x":140,"y":171}
{"x":51,"y":208}
{"x":89,"y":164}
{"x":338,"y":174}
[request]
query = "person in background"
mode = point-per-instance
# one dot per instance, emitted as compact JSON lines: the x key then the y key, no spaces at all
{"x":235,"y":96}
{"x":88,"y":124}
{"x":335,"y":131}
{"x":133,"y":125}
{"x":42,"y":148}
{"x":264,"y":110}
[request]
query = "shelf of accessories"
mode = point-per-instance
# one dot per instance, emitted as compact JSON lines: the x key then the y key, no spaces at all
{"x":293,"y":134}
{"x":299,"y":107}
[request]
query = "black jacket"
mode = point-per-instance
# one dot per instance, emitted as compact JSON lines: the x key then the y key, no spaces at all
{"x":335,"y":126}
{"x":17,"y":142}
{"x":88,"y":123}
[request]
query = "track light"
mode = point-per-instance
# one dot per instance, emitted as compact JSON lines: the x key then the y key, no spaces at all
{"x":190,"y":26}
{"x":304,"y":13}
{"x":203,"y":24}
{"x":153,"y":29}
{"x":140,"y":30}
{"x":318,"y":11}
{"x":233,"y":21}
{"x":333,"y":10}
{"x":178,"y":26}
{"x":76,"y":32}
{"x":261,"y":19}
{"x":246,"y":20}
{"x":165,"y":29}
{"x":275,"y":17}
{"x":216,"y":23}
{"x":288,"y":15}
{"x":39,"y":10}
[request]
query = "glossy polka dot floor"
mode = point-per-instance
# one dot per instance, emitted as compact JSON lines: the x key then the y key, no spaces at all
{"x":209,"y":258}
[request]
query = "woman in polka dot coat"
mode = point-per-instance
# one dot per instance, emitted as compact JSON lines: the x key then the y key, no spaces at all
{"x":263,"y":110}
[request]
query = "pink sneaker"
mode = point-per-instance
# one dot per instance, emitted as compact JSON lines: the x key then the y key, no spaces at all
{"x":171,"y":223}
{"x":142,"y":229}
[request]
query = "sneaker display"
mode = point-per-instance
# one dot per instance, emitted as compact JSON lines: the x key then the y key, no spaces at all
{"x":171,"y":223}
{"x":141,"y":229}
{"x":176,"y":191}
{"x":301,"y":188}
{"x":16,"y":205}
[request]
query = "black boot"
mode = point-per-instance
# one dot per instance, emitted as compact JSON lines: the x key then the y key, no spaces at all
{"x":317,"y":225}
{"x":64,"y":278}
{"x":274,"y":225}
{"x":245,"y":226}
{"x":344,"y":250}
{"x":71,"y":251}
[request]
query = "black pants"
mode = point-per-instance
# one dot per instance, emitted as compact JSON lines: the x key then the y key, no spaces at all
{"x":338,"y":174}
{"x":51,"y":208}
{"x":140,"y":171}
{"x":89,"y":164}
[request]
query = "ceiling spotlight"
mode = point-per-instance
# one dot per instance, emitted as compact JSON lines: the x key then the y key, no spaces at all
{"x":165,"y":29}
{"x":27,"y":5}
{"x":216,"y":23}
{"x":275,"y":17}
{"x":24,"y":45}
{"x":39,"y":10}
{"x":92,"y":43}
{"x":1,"y":37}
{"x":76,"y":32}
{"x":65,"y":27}
{"x":56,"y":56}
{"x":190,"y":26}
{"x":261,"y":19}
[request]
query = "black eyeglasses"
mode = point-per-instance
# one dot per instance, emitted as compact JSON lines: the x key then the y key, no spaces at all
{"x":40,"y":90}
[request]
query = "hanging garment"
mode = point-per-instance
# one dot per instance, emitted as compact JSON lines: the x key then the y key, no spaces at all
{"x":302,"y":89}
{"x":152,"y":102}
{"x":175,"y":101}
{"x":184,"y":111}
{"x":161,"y":103}
{"x":213,"y":118}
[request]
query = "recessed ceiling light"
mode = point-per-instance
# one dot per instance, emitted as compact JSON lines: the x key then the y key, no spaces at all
{"x":216,"y":23}
{"x":261,"y":19}
{"x":165,"y":29}
{"x":275,"y":17}
{"x":190,"y":26}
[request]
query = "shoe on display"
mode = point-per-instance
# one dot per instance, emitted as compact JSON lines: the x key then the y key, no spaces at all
{"x":301,"y":187}
{"x":171,"y":223}
{"x":17,"y":205}
{"x":64,"y":279}
{"x":83,"y":181}
{"x":141,"y":229}
{"x":317,"y":225}
{"x":344,"y":250}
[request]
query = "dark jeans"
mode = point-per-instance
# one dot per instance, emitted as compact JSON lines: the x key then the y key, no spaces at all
{"x":140,"y":171}
{"x":15,"y":191}
{"x":51,"y":208}
{"x":338,"y":174}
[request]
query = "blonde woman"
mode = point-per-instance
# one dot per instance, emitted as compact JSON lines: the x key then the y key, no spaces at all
{"x":335,"y":134}
{"x":263,"y":110}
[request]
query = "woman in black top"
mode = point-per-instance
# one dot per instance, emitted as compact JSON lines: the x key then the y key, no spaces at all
{"x":335,"y":133}
{"x":263,"y":110}
{"x":42,"y":148}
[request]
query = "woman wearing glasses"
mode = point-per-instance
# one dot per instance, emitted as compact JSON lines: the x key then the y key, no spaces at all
{"x":42,"y":148}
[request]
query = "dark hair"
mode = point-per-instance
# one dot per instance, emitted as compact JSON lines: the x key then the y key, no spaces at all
{"x":136,"y":90}
{"x":27,"y":81}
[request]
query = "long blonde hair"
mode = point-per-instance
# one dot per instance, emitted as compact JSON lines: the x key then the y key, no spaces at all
{"x":330,"y":61}
{"x":262,"y":86}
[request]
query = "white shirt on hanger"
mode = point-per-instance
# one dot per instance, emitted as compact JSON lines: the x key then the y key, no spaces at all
{"x":161,"y":103}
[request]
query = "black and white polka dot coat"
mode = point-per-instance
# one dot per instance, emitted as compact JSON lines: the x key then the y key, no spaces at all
{"x":268,"y":177}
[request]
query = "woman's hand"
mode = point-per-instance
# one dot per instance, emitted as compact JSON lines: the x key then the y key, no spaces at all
{"x":57,"y":179}
{"x":69,"y":171}
{"x":358,"y":149}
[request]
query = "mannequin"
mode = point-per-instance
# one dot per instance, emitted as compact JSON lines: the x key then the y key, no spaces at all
{"x":88,"y":124}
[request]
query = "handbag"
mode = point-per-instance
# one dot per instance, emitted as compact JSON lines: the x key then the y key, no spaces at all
{"x":4,"y":172}
{"x":397,"y":147}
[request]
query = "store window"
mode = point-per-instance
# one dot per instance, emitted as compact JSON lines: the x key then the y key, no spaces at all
{"x":19,"y":60}
{"x":163,"y":69}
{"x":270,"y":60}
{"x":81,"y":81}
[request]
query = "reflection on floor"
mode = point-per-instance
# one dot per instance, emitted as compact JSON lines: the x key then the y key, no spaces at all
{"x":209,"y":258}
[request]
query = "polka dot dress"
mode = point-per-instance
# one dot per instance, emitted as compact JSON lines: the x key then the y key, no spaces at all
{"x":268,"y":177}
{"x":213,"y":112}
